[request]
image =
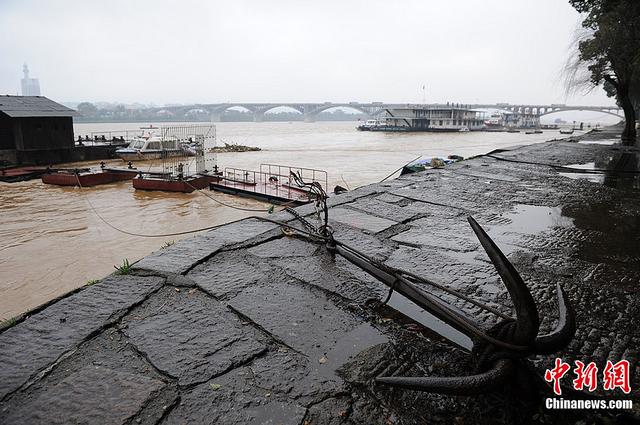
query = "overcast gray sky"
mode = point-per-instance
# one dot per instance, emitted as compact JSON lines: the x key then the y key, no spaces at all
{"x":217,"y":51}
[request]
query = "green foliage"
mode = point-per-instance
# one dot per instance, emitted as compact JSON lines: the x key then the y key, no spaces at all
{"x":91,"y":282}
{"x":125,"y":268}
{"x":8,"y":323}
{"x":167,"y":244}
{"x":612,"y":52}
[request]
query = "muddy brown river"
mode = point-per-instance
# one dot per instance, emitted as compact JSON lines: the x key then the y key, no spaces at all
{"x":51,"y":241}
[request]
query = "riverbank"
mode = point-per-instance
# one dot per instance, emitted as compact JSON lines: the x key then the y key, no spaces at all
{"x":51,"y":242}
{"x":245,"y":324}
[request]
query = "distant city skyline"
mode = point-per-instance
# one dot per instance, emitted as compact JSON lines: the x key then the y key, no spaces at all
{"x":163,"y":52}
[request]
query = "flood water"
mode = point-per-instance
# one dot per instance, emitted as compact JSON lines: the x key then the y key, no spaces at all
{"x":51,"y":241}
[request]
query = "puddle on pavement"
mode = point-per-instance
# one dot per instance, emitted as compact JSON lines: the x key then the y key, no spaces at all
{"x":526,"y":220}
{"x":423,"y":317}
{"x":606,"y":142}
{"x":592,"y":177}
{"x":359,"y":339}
{"x":618,"y":169}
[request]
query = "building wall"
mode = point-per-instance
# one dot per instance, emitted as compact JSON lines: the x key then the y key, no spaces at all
{"x":44,"y":133}
{"x":7,"y":137}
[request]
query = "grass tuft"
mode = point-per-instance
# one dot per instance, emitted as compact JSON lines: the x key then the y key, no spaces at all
{"x":125,"y":268}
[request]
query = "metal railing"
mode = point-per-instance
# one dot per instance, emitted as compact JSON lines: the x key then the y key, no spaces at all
{"x":273,"y":180}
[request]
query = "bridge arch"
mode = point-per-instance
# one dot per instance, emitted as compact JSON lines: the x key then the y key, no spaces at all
{"x":266,"y":109}
{"x":603,"y":111}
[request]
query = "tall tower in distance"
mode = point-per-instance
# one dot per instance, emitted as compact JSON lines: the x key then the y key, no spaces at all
{"x":30,"y":86}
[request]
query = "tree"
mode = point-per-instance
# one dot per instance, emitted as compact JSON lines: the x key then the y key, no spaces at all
{"x":87,"y":109}
{"x":611,"y":52}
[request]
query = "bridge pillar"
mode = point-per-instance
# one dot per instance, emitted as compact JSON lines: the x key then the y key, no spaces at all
{"x":258,"y":116}
{"x":309,"y":117}
{"x":216,"y":116}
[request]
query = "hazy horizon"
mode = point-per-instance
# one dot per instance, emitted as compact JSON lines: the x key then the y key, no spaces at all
{"x":291,"y":51}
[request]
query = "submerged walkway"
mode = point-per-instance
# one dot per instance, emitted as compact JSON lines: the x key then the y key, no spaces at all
{"x":244,"y":324}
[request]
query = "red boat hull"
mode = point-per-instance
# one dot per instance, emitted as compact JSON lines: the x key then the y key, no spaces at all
{"x":187,"y":185}
{"x":87,"y":179}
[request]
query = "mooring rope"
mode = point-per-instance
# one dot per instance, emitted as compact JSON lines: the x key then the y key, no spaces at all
{"x":141,"y":235}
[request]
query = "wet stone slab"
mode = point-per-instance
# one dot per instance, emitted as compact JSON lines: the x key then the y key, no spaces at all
{"x":284,"y":247}
{"x":87,"y":387}
{"x":297,"y":315}
{"x":233,"y":399}
{"x":228,"y":273}
{"x":453,"y":235}
{"x":190,"y":336}
{"x":386,"y":210}
{"x":184,"y":254}
{"x":41,"y":339}
{"x":91,"y":395}
{"x":335,"y":275}
{"x":360,"y":220}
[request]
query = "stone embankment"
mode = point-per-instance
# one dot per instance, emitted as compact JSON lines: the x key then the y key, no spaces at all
{"x":244,"y":324}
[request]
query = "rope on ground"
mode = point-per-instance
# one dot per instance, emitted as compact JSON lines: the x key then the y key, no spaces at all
{"x":415,"y":159}
{"x":563,"y":167}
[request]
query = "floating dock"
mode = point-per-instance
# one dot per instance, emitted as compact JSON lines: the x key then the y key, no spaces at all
{"x":271,"y":184}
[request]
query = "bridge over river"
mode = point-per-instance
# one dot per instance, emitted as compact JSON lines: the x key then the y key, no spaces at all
{"x":311,"y":110}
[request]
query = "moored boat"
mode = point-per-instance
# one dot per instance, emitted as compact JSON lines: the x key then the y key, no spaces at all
{"x":87,"y":177}
{"x":166,"y":183}
{"x":151,"y":145}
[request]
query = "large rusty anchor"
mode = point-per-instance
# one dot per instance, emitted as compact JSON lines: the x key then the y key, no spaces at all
{"x":496,"y":350}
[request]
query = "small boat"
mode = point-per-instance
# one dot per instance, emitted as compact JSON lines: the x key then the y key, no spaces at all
{"x":168,"y":183}
{"x":566,"y":131}
{"x":151,"y":146}
{"x":18,"y":174}
{"x":87,"y":177}
{"x":371,"y":125}
{"x":513,"y":130}
{"x":464,"y":129}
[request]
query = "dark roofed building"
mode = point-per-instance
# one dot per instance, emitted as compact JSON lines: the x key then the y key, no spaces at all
{"x":34,"y":129}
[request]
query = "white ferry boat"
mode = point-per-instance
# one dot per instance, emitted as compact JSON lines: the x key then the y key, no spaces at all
{"x":371,"y":125}
{"x":152,"y":146}
{"x":433,"y":118}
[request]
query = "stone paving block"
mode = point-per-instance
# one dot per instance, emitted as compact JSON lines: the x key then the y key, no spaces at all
{"x":36,"y":343}
{"x":101,"y":368}
{"x":227,"y":273}
{"x":385,"y":210}
{"x":360,"y":220}
{"x":182,"y":255}
{"x":453,"y":235}
{"x":335,"y":275}
{"x":92,"y":395}
{"x":233,"y":399}
{"x":284,"y":247}
{"x":389,"y":198}
{"x":370,"y":245}
{"x":302,"y":318}
{"x":190,"y":336}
